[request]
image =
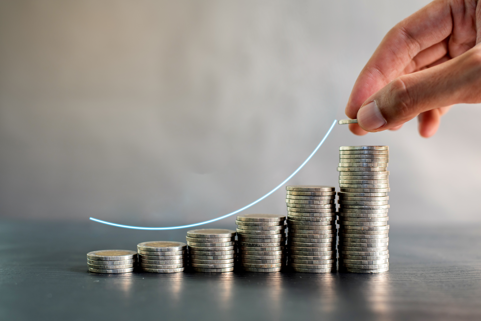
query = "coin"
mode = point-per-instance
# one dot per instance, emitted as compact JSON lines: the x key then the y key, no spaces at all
{"x":261,"y":237}
{"x":210,"y":261}
{"x":296,"y":215}
{"x":364,"y":257}
{"x":364,"y":262}
{"x":363,"y":236}
{"x":157,"y":270}
{"x":301,"y":224}
{"x":258,"y":232}
{"x":365,"y":207}
{"x":312,"y":270}
{"x":370,"y":148}
{"x":352,"y":270}
{"x":351,"y":223}
{"x":203,"y":252}
{"x":363,"y":219}
{"x":265,"y":257}
{"x":161,"y":246}
{"x":261,"y":266}
{"x":314,"y":257}
{"x":212,"y":257}
{"x":363,"y":160}
{"x":365,"y":190}
{"x":247,"y":244}
{"x":368,"y":252}
{"x":111,"y":271}
{"x":110,"y":267}
{"x":359,"y":211}
{"x":347,"y":121}
{"x":347,"y":197}
{"x":151,"y":253}
{"x":108,"y":262}
{"x":262,"y":228}
{"x":257,"y":223}
{"x":304,"y":210}
{"x":249,"y":269}
{"x":289,"y":202}
{"x":365,"y":228}
{"x":209,"y":240}
{"x":314,"y":198}
{"x":111,"y":255}
{"x":260,"y":217}
{"x":361,"y":169}
{"x":269,"y":253}
{"x":213,"y":248}
{"x":261,"y":249}
{"x":363,"y":166}
{"x":225,"y":244}
{"x":302,"y":218}
{"x":363,"y":156}
{"x":311,"y":266}
{"x":366,"y":266}
{"x":161,"y":266}
{"x":211,"y":233}
{"x":294,"y":193}
{"x":310,"y":188}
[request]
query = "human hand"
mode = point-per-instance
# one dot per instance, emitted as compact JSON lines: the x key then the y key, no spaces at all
{"x":426,"y":63}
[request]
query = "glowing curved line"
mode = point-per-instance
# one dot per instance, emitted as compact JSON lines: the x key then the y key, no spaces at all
{"x":227,"y":215}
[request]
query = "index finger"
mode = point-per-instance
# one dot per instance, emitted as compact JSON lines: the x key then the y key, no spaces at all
{"x":426,"y":27}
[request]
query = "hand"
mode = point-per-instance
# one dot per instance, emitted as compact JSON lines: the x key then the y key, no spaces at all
{"x":426,"y":63}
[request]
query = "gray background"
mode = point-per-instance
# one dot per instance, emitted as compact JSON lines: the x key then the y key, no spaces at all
{"x":164,"y":112}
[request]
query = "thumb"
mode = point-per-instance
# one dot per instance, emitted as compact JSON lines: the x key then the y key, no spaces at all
{"x":453,"y":82}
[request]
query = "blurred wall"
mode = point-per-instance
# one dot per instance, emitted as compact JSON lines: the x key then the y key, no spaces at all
{"x":160,"y":112}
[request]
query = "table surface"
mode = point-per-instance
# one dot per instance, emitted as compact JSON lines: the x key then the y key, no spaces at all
{"x":435,"y":274}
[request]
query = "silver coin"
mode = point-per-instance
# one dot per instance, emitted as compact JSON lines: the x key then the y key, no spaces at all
{"x":295,"y":258}
{"x":172,"y":253}
{"x":211,"y":233}
{"x":303,"y":249}
{"x":263,"y":240}
{"x":297,"y":228}
{"x":111,"y":255}
{"x":309,"y":232}
{"x":361,"y":248}
{"x":347,"y":121}
{"x":363,"y":160}
{"x":310,"y":188}
{"x":263,"y":257}
{"x":365,"y":190}
{"x":327,"y":234}
{"x":108,"y":262}
{"x":258,"y":232}
{"x":304,"y":270}
{"x":310,"y":206}
{"x":260,"y":217}
{"x":290,"y":202}
{"x":268,"y":223}
{"x":364,"y":156}
{"x":310,"y":223}
{"x":364,"y":236}
{"x":351,"y":270}
{"x":370,"y":148}
{"x":261,"y":237}
{"x":363,"y":166}
{"x":209,"y":240}
{"x":262,"y":227}
{"x":111,"y":271}
{"x":364,"y":207}
{"x":246,"y":244}
{"x":351,"y":223}
{"x":225,"y":244}
{"x":155,"y":270}
{"x":212,"y":257}
{"x":366,"y":228}
{"x":349,"y":242}
{"x":358,"y":211}
{"x":343,"y":232}
{"x":348,"y":197}
{"x":358,"y":215}
{"x":296,"y":240}
{"x":316,"y":215}
{"x":371,"y":175}
{"x":366,"y":266}
{"x":312,"y":254}
{"x":163,"y":262}
{"x":201,"y":252}
{"x":364,"y":152}
{"x":363,"y":219}
{"x":269,"y":253}
{"x":312,"y":244}
{"x":310,"y":266}
{"x":261,"y":249}
{"x":161,"y":246}
{"x":358,"y":180}
{"x":368,"y":252}
{"x":261,"y":266}
{"x":196,"y":261}
{"x":207,"y":270}
{"x":110,"y":267}
{"x":262,"y":261}
{"x":364,"y":186}
{"x":212,"y":265}
{"x":161,"y":266}
{"x":311,"y":212}
{"x":213,"y":248}
{"x":311,"y":218}
{"x":248,"y":269}
{"x":364,"y":262}
{"x":311,"y":198}
{"x":320,"y":194}
{"x":361,"y":169}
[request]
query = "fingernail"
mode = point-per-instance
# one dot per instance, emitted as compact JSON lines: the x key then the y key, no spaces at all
{"x":370,"y":117}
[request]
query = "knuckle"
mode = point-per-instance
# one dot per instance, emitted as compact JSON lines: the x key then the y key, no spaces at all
{"x":401,"y":100}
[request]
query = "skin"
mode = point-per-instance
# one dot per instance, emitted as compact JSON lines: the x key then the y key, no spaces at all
{"x":425,"y":64}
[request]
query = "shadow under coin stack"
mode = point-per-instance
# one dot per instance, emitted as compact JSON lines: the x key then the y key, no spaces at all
{"x":162,"y":256}
{"x":211,"y":250}
{"x":111,"y":261}
{"x":312,"y":233}
{"x":261,"y":239}
{"x":363,"y":209}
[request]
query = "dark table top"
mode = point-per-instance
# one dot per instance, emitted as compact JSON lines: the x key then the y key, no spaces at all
{"x":435,"y":274}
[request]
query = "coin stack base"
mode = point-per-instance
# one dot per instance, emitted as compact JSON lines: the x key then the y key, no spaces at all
{"x":211,"y":250}
{"x":162,"y":256}
{"x":312,"y":231}
{"x":261,"y":239}
{"x":363,"y":209}
{"x":111,"y":261}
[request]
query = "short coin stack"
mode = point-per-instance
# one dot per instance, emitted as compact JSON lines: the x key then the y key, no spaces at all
{"x":363,"y":209}
{"x":162,"y":256}
{"x":211,"y":250}
{"x":111,"y":261}
{"x":261,"y":239}
{"x":312,"y":232}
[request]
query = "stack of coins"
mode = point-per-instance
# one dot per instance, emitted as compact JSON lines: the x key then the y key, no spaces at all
{"x":162,"y":256}
{"x":312,"y":231}
{"x":363,"y":209}
{"x":211,"y":250}
{"x":111,"y":261}
{"x":261,"y":239}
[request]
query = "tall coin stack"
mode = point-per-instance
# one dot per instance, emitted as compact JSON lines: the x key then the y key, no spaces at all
{"x":261,"y":239}
{"x":363,"y":209}
{"x":211,"y":250}
{"x":111,"y":261}
{"x":162,"y":256}
{"x":312,"y":233}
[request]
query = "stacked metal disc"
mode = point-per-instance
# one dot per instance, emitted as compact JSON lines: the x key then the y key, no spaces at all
{"x":312,"y":232}
{"x":162,"y":256}
{"x":111,"y":261}
{"x":261,"y":240}
{"x":211,"y":250}
{"x":363,"y":209}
